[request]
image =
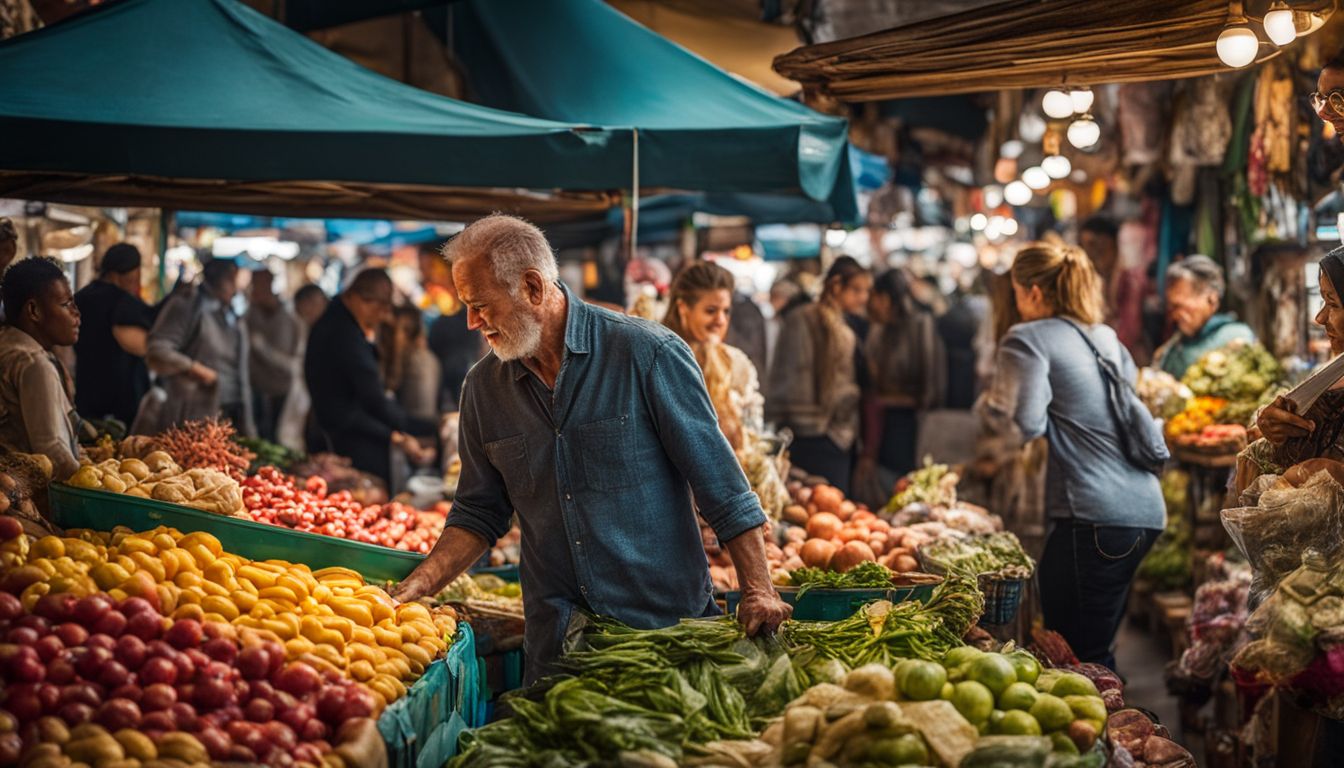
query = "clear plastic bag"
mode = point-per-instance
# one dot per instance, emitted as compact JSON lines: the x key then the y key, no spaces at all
{"x":1283,"y":523}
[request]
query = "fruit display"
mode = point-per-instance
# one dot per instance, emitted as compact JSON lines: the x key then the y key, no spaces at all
{"x":1214,"y":438}
{"x":275,"y":498}
{"x":994,"y":554}
{"x":1240,"y":371}
{"x":341,"y":475}
{"x":1199,"y":413}
{"x":934,"y":485}
{"x":134,"y":649}
{"x":1134,"y":734}
{"x":329,"y":619}
{"x":22,"y":476}
{"x":508,"y":549}
{"x":159,"y":477}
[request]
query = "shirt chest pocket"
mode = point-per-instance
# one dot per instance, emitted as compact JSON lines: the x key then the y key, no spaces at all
{"x":606,"y":451}
{"x":510,"y":460}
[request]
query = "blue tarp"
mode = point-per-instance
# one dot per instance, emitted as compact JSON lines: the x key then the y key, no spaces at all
{"x":699,"y":128}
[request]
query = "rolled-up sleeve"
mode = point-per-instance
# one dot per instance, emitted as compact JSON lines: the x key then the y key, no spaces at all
{"x":1020,"y":390}
{"x":481,"y":504}
{"x":689,"y":432}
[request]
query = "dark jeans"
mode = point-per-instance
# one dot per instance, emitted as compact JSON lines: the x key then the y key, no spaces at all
{"x":821,"y":456}
{"x":1085,"y":574}
{"x":266,"y":410}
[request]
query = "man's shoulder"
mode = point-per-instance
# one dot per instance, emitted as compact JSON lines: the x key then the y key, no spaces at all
{"x":637,"y":335}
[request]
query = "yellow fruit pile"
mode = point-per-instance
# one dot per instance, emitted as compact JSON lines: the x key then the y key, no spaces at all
{"x":158,"y":477}
{"x":1198,"y":414}
{"x":90,"y":744}
{"x":329,"y":619}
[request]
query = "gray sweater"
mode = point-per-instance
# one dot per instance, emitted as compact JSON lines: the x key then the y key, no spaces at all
{"x":1046,"y":382}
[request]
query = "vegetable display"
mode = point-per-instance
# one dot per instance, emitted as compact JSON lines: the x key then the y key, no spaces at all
{"x":268,"y":454}
{"x":275,"y":498}
{"x":996,"y":554}
{"x":865,"y":575}
{"x":1164,"y":395}
{"x":207,"y":444}
{"x":1237,"y":372}
{"x":158,"y":477}
{"x":934,"y":485}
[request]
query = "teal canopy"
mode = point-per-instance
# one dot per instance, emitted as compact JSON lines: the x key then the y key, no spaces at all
{"x":699,"y":128}
{"x":212,"y":90}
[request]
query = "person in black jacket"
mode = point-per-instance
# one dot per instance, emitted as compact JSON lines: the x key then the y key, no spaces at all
{"x":353,"y":412}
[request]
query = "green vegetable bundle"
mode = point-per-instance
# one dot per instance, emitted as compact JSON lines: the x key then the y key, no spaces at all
{"x":933,"y":484}
{"x":268,"y":454}
{"x":883,"y":633}
{"x":1237,"y":372}
{"x":992,"y":553}
{"x":864,"y":575}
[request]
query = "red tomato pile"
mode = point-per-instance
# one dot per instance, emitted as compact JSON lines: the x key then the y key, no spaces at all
{"x":273,"y":497}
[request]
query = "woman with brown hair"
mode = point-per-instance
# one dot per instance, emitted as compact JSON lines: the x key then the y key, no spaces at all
{"x":814,"y":388}
{"x":699,"y":307}
{"x":1103,"y":511}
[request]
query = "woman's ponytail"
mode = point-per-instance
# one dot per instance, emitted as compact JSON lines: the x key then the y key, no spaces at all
{"x":1068,"y":281}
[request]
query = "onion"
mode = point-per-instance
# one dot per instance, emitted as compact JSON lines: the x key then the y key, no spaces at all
{"x":823,"y":525}
{"x":817,"y":553}
{"x":852,"y":554}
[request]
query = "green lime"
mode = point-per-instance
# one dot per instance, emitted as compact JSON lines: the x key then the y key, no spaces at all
{"x":906,"y":749}
{"x":1060,"y":742}
{"x":1052,"y":713}
{"x":1018,"y":723}
{"x":975,"y":702}
{"x":992,"y":671}
{"x":960,"y":655}
{"x":946,"y":693}
{"x":1073,"y":684}
{"x":1018,"y":696}
{"x":923,"y":681}
{"x":1087,"y":707}
{"x":1026,"y":666}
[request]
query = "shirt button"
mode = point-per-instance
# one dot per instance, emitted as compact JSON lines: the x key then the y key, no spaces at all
{"x":584,"y":590}
{"x":578,"y":543}
{"x":568,"y":497}
{"x":557,"y":433}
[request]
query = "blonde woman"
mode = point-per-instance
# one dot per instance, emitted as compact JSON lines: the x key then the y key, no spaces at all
{"x":1104,"y":513}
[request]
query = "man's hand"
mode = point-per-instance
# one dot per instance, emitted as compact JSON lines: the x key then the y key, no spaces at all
{"x":419,"y":584}
{"x":456,"y":550}
{"x":203,"y":373}
{"x":762,"y":611}
{"x":1279,"y":424}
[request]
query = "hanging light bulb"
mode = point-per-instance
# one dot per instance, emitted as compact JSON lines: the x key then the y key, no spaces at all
{"x":978,"y":221}
{"x":1082,"y":99}
{"x":1237,"y":44}
{"x":993,"y":196}
{"x":1017,"y":193}
{"x":1009,"y":227}
{"x":1279,"y":24}
{"x":1030,"y":127}
{"x":1036,"y":177}
{"x":1056,"y":166}
{"x":1057,"y":104}
{"x":1084,"y":132}
{"x":1011,"y":149}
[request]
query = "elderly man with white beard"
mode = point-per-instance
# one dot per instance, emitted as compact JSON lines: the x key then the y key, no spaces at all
{"x":597,"y":430}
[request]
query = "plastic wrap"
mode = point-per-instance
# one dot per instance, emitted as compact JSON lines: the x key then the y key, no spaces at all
{"x":1284,"y":522}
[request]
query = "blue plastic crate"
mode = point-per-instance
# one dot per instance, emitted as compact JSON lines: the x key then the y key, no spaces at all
{"x":421,"y":729}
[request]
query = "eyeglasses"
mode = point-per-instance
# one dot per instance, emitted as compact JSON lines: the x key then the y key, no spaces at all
{"x":1334,"y":99}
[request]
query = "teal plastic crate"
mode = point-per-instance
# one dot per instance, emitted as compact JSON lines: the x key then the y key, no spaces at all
{"x":73,"y":507}
{"x":834,"y":604}
{"x":421,"y":729}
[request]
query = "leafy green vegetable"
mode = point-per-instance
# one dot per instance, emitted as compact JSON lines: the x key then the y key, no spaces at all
{"x":866,"y":574}
{"x":933,"y":484}
{"x":1237,"y":372}
{"x":989,"y":553}
{"x":268,"y":453}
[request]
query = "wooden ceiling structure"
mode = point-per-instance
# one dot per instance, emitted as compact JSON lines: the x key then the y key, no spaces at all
{"x":1028,"y":44}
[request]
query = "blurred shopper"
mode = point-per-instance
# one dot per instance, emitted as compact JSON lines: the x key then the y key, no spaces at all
{"x":782,"y":293}
{"x":457,"y":346}
{"x":420,"y":376}
{"x":110,"y":371}
{"x":292,"y":431}
{"x":699,"y":308}
{"x":199,"y":350}
{"x":1122,"y":289}
{"x":1105,"y":512}
{"x":35,"y":411}
{"x":350,"y":404}
{"x":9,"y":248}
{"x":906,"y":376}
{"x":273,"y":335}
{"x":814,"y":384}
{"x":1195,"y":290}
{"x":747,"y":331}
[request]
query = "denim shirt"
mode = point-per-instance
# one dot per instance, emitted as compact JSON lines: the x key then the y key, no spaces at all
{"x":602,"y":472}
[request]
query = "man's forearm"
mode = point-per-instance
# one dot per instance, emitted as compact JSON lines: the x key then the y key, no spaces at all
{"x":753,"y":569}
{"x":456,"y":550}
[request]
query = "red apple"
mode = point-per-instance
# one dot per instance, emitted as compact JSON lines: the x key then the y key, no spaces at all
{"x":11,"y":745}
{"x":221,"y":650}
{"x":308,"y":753}
{"x":129,"y":692}
{"x":112,"y":623}
{"x":10,"y":606}
{"x":197,"y":657}
{"x":330,"y":704}
{"x":90,"y":609}
{"x":49,"y":696}
{"x":158,"y":670}
{"x":254,"y":663}
{"x":158,"y":697}
{"x":76,"y":713}
{"x":146,"y":625}
{"x":26,"y":668}
{"x":23,"y":703}
{"x":298,"y":679}
{"x":113,"y":674}
{"x":212,"y":693}
{"x":130,"y":651}
{"x":34,"y":622}
{"x":217,"y":670}
{"x":280,"y":735}
{"x":81,"y":693}
{"x":314,"y":730}
{"x":117,"y":714}
{"x":72,"y":634}
{"x":132,"y":606}
{"x":158,"y":721}
{"x":10,"y":528}
{"x":48,"y":647}
{"x":21,"y":636}
{"x":185,"y":633}
{"x":100,"y":640}
{"x":259,"y":711}
{"x":215,"y":741}
{"x":60,"y":671}
{"x":56,"y":608}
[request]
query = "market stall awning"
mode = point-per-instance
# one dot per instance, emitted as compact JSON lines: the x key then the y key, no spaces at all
{"x":214,"y":100}
{"x":1027,"y":44}
{"x":699,"y":128}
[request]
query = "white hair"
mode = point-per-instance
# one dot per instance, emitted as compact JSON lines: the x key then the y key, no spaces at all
{"x":512,"y":245}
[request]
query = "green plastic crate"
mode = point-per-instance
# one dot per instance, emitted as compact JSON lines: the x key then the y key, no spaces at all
{"x":73,"y":507}
{"x":822,"y":604}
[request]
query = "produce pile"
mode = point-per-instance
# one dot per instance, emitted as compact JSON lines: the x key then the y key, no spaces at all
{"x":998,"y":555}
{"x":1216,"y":621}
{"x":1135,"y":739}
{"x":23,"y":475}
{"x":934,"y":485}
{"x":125,"y":649}
{"x":865,"y":575}
{"x":268,"y":454}
{"x":692,"y":694}
{"x":159,"y":477}
{"x":1054,"y":651}
{"x":207,"y":444}
{"x":276,"y":498}
{"x":1164,"y":395}
{"x":1228,"y":385}
{"x":340,"y":475}
{"x":508,"y":549}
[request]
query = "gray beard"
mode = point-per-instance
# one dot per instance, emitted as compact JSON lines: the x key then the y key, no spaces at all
{"x":522,"y":341}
